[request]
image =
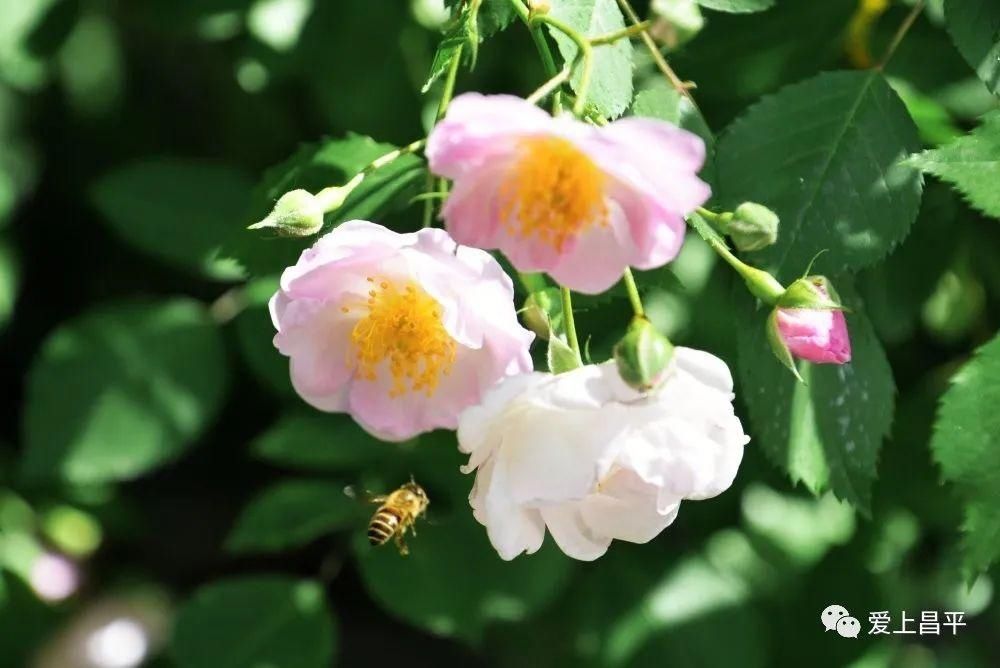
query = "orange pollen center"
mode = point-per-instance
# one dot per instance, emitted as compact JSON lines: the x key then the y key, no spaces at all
{"x":402,"y":324}
{"x":552,"y":192}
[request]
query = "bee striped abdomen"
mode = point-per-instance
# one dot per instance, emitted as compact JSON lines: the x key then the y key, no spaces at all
{"x":383,"y":526}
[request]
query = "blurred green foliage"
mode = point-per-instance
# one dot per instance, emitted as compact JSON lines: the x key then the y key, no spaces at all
{"x":151,"y":438}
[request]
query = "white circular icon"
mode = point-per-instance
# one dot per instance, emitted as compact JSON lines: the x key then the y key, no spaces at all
{"x":833,"y":614}
{"x":849,"y":627}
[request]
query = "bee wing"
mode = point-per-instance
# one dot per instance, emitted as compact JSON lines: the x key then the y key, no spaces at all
{"x":362,"y":496}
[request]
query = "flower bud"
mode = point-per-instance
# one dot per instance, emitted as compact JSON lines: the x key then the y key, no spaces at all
{"x":535,"y":313}
{"x":752,"y":227}
{"x":539,"y":7}
{"x":808,"y":322}
{"x":643,"y":355}
{"x":298,"y":213}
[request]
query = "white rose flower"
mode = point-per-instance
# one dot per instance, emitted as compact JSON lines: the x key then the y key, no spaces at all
{"x":593,"y":460}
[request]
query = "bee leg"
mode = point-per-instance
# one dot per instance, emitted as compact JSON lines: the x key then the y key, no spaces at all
{"x":401,"y":544}
{"x":378,"y":499}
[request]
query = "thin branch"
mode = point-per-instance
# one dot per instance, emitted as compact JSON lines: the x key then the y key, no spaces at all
{"x":904,"y":28}
{"x":658,"y":58}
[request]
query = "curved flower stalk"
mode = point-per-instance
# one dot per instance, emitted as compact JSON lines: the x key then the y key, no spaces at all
{"x":579,"y":202}
{"x":592,"y":460}
{"x":402,"y":331}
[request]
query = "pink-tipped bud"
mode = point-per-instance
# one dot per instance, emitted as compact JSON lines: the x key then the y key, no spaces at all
{"x":808,"y":322}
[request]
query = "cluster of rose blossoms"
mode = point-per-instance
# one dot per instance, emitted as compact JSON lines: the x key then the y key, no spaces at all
{"x":413,"y":332}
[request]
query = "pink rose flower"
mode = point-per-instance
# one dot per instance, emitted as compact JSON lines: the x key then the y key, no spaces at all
{"x":815,"y":335}
{"x":557,"y":195}
{"x":401,"y":331}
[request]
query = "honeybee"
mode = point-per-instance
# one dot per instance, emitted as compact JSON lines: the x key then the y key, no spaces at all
{"x":397,"y":513}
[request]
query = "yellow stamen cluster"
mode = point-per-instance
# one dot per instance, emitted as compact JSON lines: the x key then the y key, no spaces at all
{"x":402,"y":325}
{"x":553,"y":191}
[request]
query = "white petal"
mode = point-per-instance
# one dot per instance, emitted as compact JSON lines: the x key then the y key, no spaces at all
{"x":626,"y":508}
{"x":554,"y":455}
{"x":704,"y":367}
{"x":480,"y":426}
{"x":512,"y":529}
{"x":572,"y":536}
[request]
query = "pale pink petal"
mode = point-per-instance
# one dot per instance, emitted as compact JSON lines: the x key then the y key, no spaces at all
{"x":816,"y":335}
{"x":386,"y":417}
{"x":597,"y":260}
{"x":657,"y":232}
{"x":655,"y":157}
{"x":317,"y":345}
{"x":349,"y":249}
{"x":477,"y":131}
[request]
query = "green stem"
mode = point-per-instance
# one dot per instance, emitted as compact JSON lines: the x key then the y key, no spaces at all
{"x":624,"y":33}
{"x":544,"y":52}
{"x":569,"y":321}
{"x":586,"y":53}
{"x":441,"y":185}
{"x":549,"y":86}
{"x":760,"y":283}
{"x":332,"y":197}
{"x":897,"y":39}
{"x":720,"y":221}
{"x":633,"y":293}
{"x":654,"y":51}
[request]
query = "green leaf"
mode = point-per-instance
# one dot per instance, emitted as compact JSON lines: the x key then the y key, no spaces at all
{"x":453,"y":583}
{"x":737,"y":6}
{"x":611,"y":80}
{"x":122,"y":390}
{"x":180,"y":211}
{"x":255,"y":335}
{"x":895,"y":290}
{"x":970,"y":163}
{"x":825,"y":155}
{"x":787,"y":43}
{"x":658,"y":99}
{"x":458,"y":35}
{"x":292,"y":513}
{"x":314,"y":167}
{"x":966,"y":444}
{"x":827,"y":430}
{"x":319,"y":442}
{"x":494,"y":15}
{"x":975,"y":27}
{"x":265,"y":620}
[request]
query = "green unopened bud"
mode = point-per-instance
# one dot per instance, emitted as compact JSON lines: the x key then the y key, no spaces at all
{"x":298,"y":213}
{"x":535,"y":313}
{"x":811,"y":292}
{"x":643,"y":355}
{"x":752,"y":227}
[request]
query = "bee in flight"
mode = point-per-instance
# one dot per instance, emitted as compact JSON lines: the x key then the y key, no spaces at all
{"x":397,"y":512}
